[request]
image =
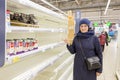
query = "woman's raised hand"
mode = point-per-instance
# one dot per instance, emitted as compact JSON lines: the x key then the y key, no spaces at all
{"x":67,"y":41}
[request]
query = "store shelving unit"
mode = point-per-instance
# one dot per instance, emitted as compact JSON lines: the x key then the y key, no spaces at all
{"x":44,"y":15}
{"x":32,"y":64}
{"x":29,"y":29}
{"x":58,"y":70}
{"x":2,"y":32}
{"x":16,"y":58}
{"x":32,"y":72}
{"x":49,"y":32}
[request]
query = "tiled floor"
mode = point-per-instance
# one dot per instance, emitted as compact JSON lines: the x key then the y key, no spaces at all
{"x":109,"y":62}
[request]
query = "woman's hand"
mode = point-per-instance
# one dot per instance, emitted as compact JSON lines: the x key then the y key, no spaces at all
{"x":67,"y":42}
{"x":98,"y":74}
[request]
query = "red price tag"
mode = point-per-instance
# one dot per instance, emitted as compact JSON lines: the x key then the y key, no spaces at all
{"x":12,"y":45}
{"x":20,"y":44}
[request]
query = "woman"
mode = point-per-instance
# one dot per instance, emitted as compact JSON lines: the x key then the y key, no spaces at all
{"x":90,"y":48}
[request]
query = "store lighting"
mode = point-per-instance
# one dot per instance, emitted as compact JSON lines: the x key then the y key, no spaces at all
{"x":53,"y":6}
{"x":107,"y":7}
{"x":77,"y":2}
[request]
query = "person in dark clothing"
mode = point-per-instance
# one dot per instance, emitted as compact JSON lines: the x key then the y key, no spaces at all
{"x":102,"y":39}
{"x":91,"y":47}
{"x":106,"y":34}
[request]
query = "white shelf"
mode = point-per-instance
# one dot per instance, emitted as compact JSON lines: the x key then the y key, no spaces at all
{"x":63,"y":64}
{"x":32,"y":72}
{"x":42,"y":48}
{"x":38,"y":7}
{"x":118,"y":75}
{"x":66,"y":74}
{"x":29,"y":29}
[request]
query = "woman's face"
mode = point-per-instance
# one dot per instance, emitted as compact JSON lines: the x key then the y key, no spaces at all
{"x":83,"y":28}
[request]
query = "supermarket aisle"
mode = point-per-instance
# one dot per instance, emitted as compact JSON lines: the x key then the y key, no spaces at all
{"x":109,"y":62}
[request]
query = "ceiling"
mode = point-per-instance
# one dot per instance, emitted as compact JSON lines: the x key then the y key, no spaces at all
{"x":66,"y":5}
{"x":89,"y":8}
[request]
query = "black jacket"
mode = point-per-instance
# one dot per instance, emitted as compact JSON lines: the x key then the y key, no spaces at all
{"x":91,"y":47}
